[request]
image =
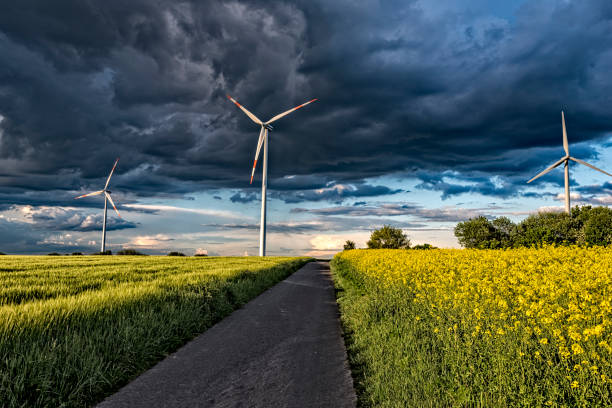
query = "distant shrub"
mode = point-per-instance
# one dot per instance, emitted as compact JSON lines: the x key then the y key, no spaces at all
{"x":107,"y":252}
{"x":424,"y":246}
{"x":348,"y":245}
{"x":201,"y":254}
{"x":77,"y":253}
{"x":174,"y":253}
{"x":129,"y":252}
{"x":53,"y":254}
{"x":2,"y":253}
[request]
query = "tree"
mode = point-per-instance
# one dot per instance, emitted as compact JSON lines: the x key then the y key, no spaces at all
{"x":505,"y":233}
{"x":349,"y":245}
{"x":597,"y":229}
{"x":550,"y":228}
{"x":481,"y":233}
{"x":175,"y":253}
{"x":475,"y":233}
{"x":388,"y":237}
{"x":585,"y":226}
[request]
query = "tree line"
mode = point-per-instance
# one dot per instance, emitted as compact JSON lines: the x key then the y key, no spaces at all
{"x":585,"y":226}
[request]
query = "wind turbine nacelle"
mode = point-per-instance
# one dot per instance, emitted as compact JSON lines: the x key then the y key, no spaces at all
{"x":269,"y":127}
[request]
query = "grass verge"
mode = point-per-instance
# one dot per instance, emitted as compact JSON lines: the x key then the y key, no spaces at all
{"x":75,"y":329}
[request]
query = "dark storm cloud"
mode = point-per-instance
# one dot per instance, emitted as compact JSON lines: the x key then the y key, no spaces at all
{"x":20,"y":238}
{"x":243,"y":199}
{"x":283,"y":228}
{"x":445,"y":214}
{"x":604,"y":189}
{"x":402,"y":90}
{"x":334,"y":193}
{"x":61,"y":219}
{"x":324,"y":224}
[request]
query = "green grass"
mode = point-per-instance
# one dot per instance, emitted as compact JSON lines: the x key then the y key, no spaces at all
{"x":75,"y":329}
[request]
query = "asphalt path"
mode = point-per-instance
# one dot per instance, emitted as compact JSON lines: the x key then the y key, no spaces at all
{"x":282,"y":349}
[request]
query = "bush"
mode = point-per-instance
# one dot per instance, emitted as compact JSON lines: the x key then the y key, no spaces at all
{"x":475,"y":233}
{"x":174,"y":253}
{"x":547,"y":228}
{"x":585,"y":226}
{"x":424,"y":246}
{"x":348,"y":245}
{"x":53,"y":254}
{"x":77,"y":253}
{"x":389,"y":238}
{"x":2,"y":253}
{"x":201,"y":255}
{"x":107,"y":252}
{"x":129,"y":252}
{"x":598,"y":228}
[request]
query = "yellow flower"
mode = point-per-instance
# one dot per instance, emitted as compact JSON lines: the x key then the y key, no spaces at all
{"x":577,"y":349}
{"x":534,"y":298}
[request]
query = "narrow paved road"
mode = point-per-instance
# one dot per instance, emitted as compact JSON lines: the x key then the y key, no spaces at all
{"x":283,"y":349}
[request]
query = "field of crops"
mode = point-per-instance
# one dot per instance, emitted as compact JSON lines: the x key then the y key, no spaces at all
{"x":73,"y":329}
{"x":524,"y":327}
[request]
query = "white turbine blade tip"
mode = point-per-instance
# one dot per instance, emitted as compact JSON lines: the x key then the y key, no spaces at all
{"x":290,"y":110}
{"x":111,"y":173}
{"x":565,"y":142}
{"x":548,"y":169}
{"x":245,"y":110}
{"x":590,"y":165}
{"x":113,"y":204}
{"x":90,"y":194}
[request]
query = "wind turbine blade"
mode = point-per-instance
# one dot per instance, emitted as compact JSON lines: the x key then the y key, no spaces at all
{"x":565,"y":145}
{"x":589,"y":165}
{"x":548,"y":169}
{"x":289,"y":111}
{"x":111,"y":173}
{"x":111,"y":201}
{"x":259,"y":143}
{"x":90,"y":194}
{"x":249,"y":114}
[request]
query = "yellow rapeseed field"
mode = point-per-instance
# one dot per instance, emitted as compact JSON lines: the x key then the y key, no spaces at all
{"x":499,"y":327}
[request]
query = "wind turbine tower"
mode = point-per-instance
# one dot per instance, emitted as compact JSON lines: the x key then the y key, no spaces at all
{"x":263,"y":139}
{"x":107,"y":198}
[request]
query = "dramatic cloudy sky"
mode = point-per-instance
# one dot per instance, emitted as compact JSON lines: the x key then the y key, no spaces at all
{"x":428,"y":113}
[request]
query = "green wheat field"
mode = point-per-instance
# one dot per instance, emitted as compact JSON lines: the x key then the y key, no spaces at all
{"x":73,"y":329}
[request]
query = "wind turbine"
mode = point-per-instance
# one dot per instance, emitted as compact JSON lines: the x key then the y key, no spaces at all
{"x":566,"y":159}
{"x":107,"y":198}
{"x":263,"y":138}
